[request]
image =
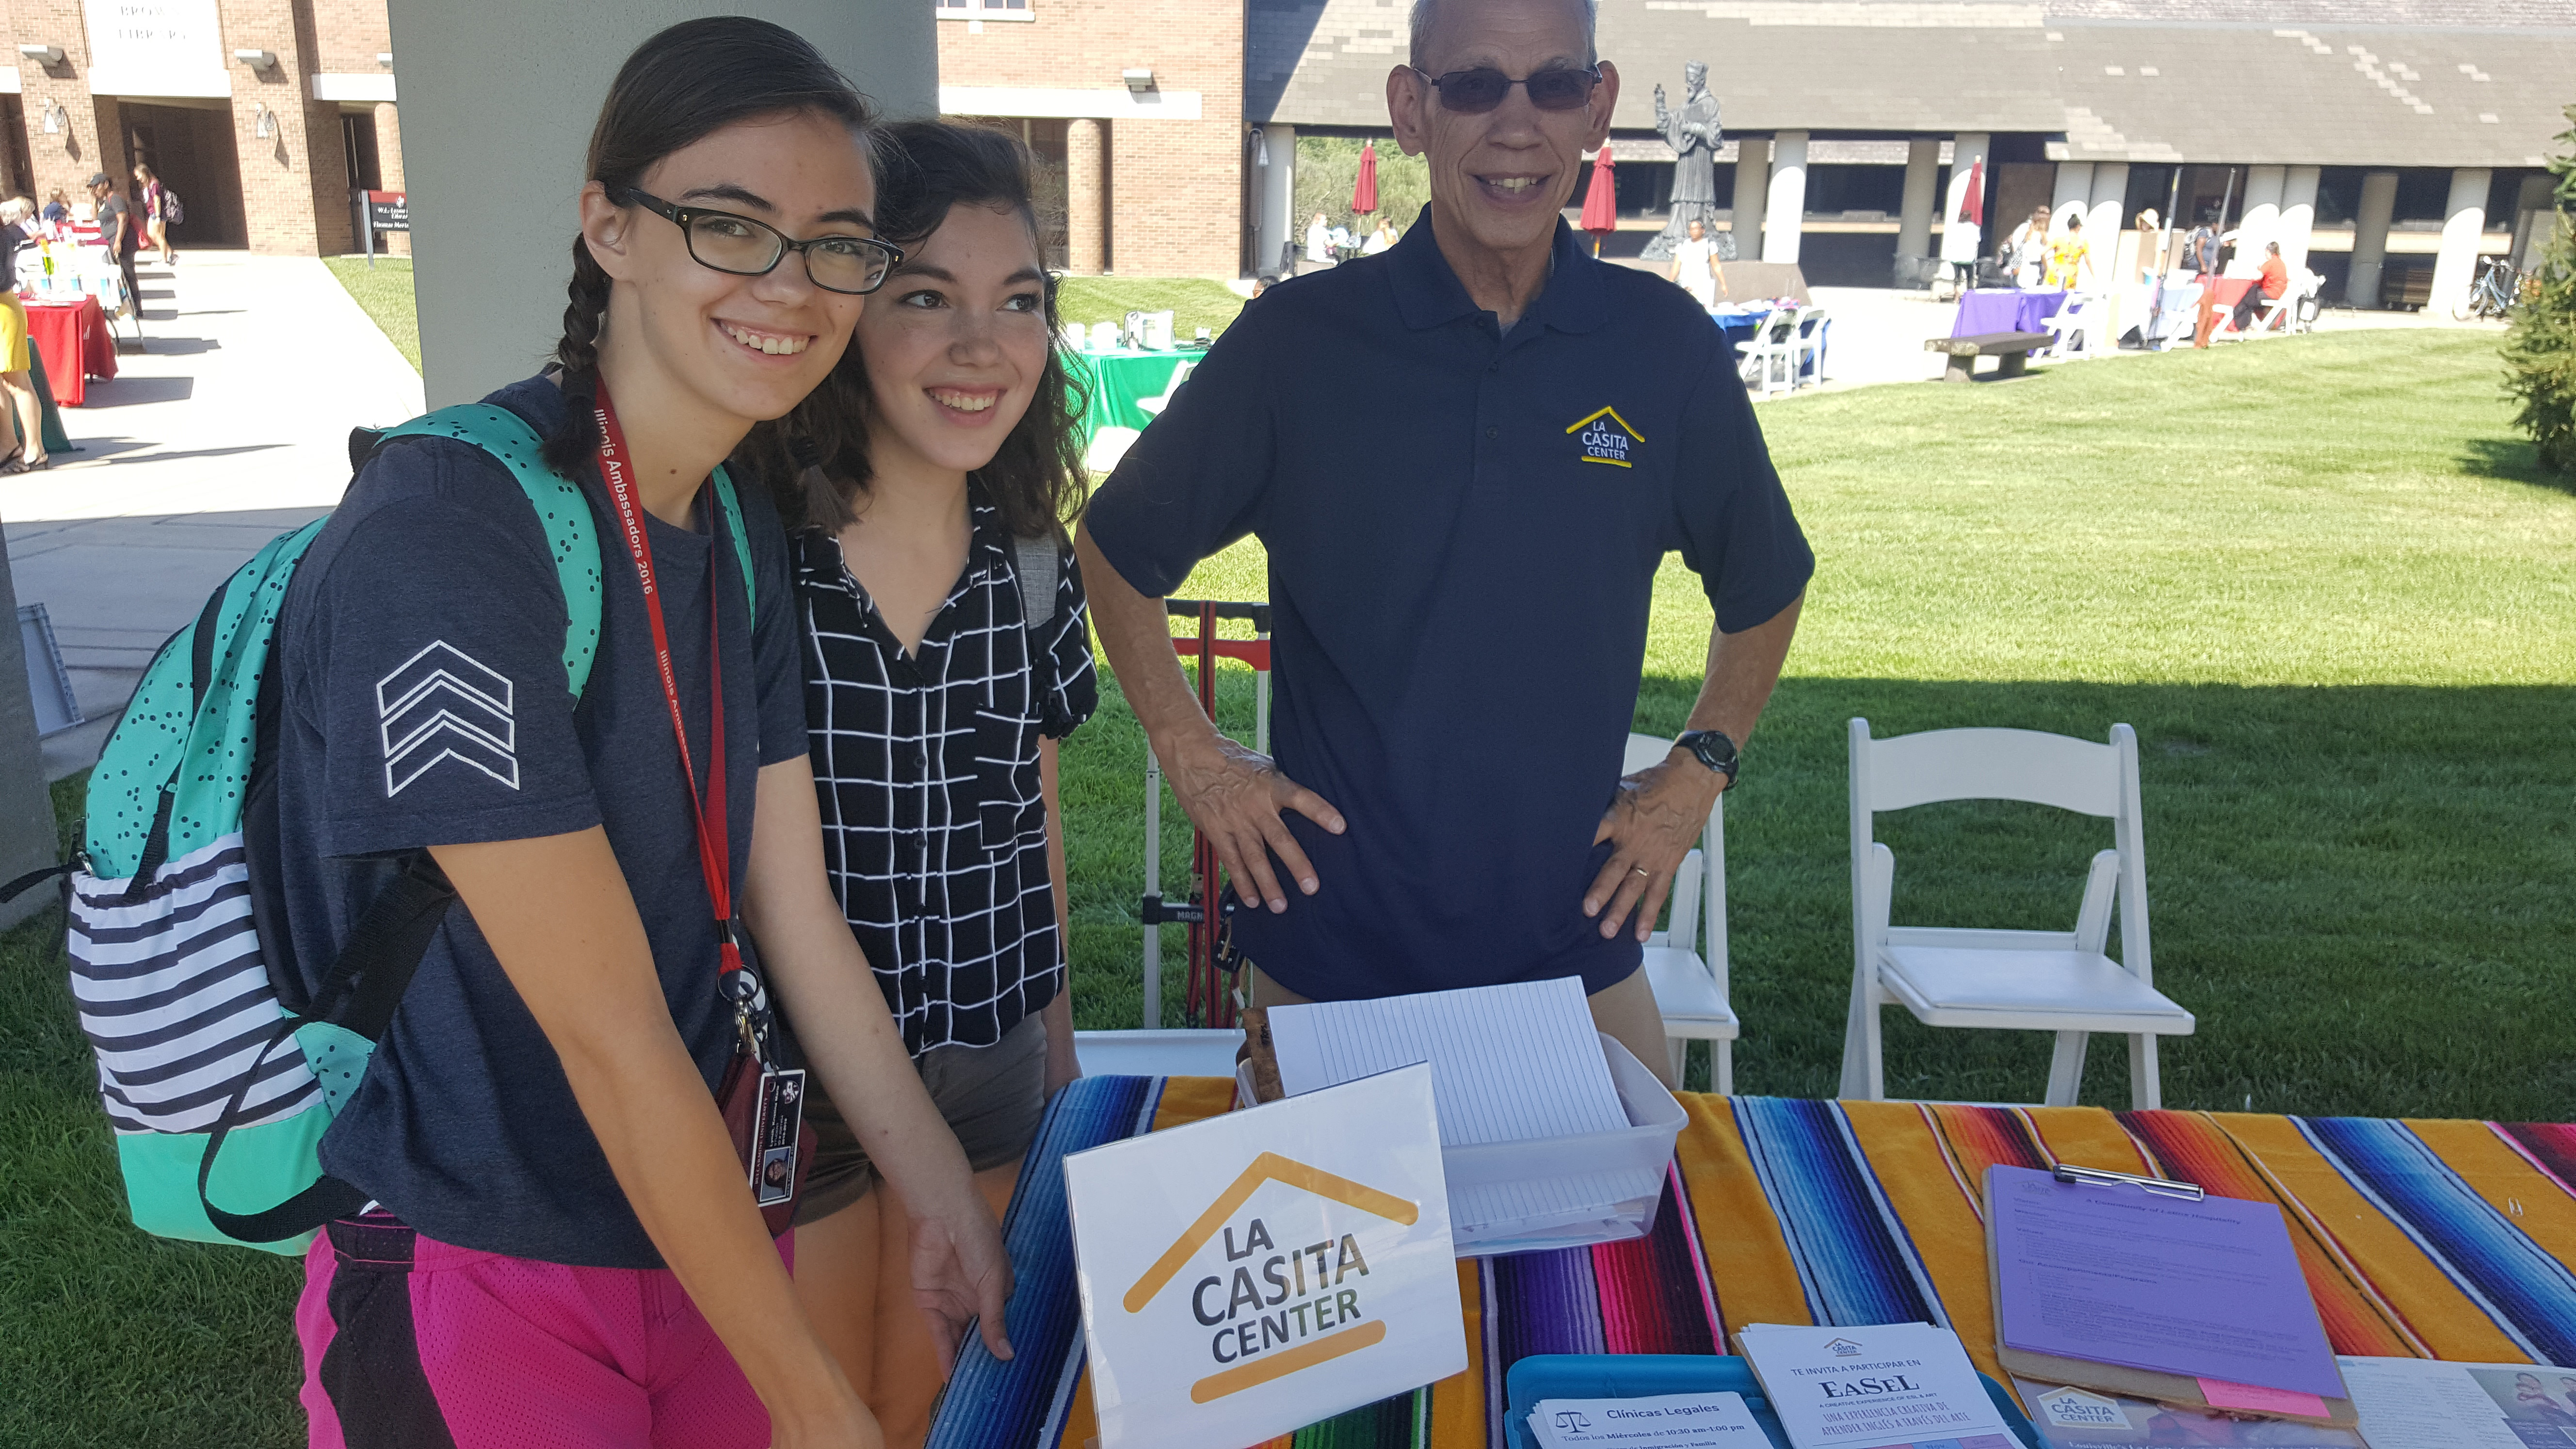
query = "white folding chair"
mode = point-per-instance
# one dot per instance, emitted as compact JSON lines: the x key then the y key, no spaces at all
{"x":1807,"y":346}
{"x":2010,"y":980}
{"x":1689,"y":981}
{"x":1769,"y":361}
{"x":1155,"y":405}
{"x":2072,"y":329}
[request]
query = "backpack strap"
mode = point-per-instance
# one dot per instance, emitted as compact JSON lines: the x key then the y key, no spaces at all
{"x":1038,"y":566}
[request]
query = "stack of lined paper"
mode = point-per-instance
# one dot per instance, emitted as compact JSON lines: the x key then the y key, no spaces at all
{"x":1508,"y":1064}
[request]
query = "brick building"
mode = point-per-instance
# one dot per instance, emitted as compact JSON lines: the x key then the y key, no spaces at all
{"x":262,"y":114}
{"x":1136,"y":109}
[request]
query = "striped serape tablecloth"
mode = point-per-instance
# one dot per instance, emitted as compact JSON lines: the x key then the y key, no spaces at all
{"x":2429,"y":1239}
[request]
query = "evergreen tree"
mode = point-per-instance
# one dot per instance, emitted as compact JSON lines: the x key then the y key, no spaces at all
{"x":2541,"y":348}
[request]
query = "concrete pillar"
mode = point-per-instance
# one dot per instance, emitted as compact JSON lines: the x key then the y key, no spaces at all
{"x":2073,"y":195}
{"x":26,"y":809}
{"x":1784,"y":211}
{"x":389,"y":166}
{"x":2370,"y":238}
{"x":2298,"y":216}
{"x":2464,"y":225}
{"x":1752,"y":183}
{"x":1922,"y":172}
{"x":1960,"y":242}
{"x":1278,"y":225}
{"x":1086,"y":195}
{"x":2260,"y":222}
{"x":2106,"y":213}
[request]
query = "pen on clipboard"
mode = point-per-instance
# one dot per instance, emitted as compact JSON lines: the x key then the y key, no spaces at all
{"x":2096,"y":1177}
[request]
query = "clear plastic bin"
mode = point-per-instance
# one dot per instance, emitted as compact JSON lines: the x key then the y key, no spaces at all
{"x":1642,"y":1150}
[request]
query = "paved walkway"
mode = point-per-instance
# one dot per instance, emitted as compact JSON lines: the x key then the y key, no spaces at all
{"x":229,"y":427}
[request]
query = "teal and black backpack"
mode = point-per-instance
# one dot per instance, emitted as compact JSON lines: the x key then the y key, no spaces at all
{"x":186,"y":1000}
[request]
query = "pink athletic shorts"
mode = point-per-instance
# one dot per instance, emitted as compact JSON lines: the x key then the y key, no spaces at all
{"x":411,"y":1342}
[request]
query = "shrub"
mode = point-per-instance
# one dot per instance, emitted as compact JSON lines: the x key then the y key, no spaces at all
{"x":2541,"y":348}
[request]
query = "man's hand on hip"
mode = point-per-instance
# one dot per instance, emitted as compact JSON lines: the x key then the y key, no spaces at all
{"x":1235,"y":796}
{"x":1654,"y":820}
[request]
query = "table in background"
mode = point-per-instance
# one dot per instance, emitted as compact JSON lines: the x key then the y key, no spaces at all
{"x":2426,"y":1239}
{"x":1120,"y":379}
{"x":76,"y":344}
{"x":1992,"y":309}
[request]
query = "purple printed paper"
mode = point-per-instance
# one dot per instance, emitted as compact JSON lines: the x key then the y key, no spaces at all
{"x":2119,"y":1275}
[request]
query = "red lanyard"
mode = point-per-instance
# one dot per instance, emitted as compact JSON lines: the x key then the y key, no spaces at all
{"x":715,"y":857}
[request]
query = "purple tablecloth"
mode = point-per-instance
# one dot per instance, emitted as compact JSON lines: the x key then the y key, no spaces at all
{"x":1997,"y":310}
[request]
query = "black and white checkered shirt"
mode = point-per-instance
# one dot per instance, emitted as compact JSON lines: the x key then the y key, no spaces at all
{"x":934,"y":827}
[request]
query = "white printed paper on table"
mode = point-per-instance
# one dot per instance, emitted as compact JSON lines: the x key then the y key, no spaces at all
{"x":2415,"y":1403}
{"x":1248,"y":1275}
{"x":1666,"y":1421}
{"x":1881,"y":1387}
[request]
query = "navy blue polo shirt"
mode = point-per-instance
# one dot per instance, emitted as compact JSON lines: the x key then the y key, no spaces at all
{"x":1464,"y":527}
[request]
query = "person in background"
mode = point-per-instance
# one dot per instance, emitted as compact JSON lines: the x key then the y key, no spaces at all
{"x":1319,"y":240}
{"x":1381,"y":236}
{"x":1261,"y":284}
{"x":934,"y":704}
{"x":2026,"y":249}
{"x":1460,"y":624}
{"x":1694,"y":267}
{"x":58,"y":209}
{"x":156,"y":220}
{"x":17,"y":380}
{"x":2070,"y":260}
{"x":2200,"y":252}
{"x":2275,"y":283}
{"x":118,"y":233}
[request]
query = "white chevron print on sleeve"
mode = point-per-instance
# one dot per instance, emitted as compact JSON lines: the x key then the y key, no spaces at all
{"x":443,"y":704}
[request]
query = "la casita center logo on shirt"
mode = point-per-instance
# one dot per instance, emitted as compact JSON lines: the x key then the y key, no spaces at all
{"x":1605,"y":437}
{"x":1304,"y":1307}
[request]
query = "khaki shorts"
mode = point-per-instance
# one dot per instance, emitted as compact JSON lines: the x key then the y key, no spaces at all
{"x":991,"y":1097}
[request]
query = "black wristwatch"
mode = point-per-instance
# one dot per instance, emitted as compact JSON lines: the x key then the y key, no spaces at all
{"x":1713,"y":749}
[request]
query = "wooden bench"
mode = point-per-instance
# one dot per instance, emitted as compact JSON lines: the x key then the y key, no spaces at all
{"x":2011,"y":348}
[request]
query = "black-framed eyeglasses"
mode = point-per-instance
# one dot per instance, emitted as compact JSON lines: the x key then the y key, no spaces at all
{"x":1474,"y":92}
{"x":743,"y":247}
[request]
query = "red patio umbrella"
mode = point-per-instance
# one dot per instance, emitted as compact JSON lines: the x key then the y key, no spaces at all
{"x":1364,"y":194}
{"x":1601,"y":200}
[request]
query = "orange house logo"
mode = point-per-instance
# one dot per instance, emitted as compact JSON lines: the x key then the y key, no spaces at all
{"x":1303,"y":1307}
{"x":1607,"y":438}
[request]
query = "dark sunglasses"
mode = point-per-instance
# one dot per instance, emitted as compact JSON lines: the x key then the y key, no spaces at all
{"x":723,"y":242}
{"x":1474,"y":92}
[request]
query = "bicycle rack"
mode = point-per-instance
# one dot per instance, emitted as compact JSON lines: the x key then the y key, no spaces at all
{"x":1206,"y":1002}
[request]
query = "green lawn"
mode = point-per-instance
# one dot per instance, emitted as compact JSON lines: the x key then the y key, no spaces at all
{"x":2322,"y":578}
{"x":1193,"y":302}
{"x":384,"y":290}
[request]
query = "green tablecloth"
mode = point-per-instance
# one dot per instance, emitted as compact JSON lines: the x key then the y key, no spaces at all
{"x":1119,"y":380}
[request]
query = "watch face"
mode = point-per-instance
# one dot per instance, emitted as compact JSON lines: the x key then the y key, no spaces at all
{"x":1714,"y":749}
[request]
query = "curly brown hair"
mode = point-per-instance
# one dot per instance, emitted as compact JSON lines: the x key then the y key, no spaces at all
{"x":816,"y":457}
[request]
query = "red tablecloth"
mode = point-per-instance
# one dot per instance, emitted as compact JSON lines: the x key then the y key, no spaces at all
{"x":77,"y":346}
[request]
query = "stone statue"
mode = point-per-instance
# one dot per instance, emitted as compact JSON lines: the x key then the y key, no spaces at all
{"x":1694,"y":135}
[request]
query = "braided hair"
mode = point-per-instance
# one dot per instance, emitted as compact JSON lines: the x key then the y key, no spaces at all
{"x":678,"y":88}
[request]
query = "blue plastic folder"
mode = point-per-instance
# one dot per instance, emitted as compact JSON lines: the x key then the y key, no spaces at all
{"x":1645,"y":1375}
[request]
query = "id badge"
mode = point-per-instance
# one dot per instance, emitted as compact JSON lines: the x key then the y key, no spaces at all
{"x":781,"y":1113}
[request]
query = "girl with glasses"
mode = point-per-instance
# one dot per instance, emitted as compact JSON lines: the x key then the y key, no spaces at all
{"x":565,"y":1247}
{"x":946,"y":654}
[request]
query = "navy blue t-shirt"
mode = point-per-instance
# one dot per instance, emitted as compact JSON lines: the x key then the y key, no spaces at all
{"x":1463,"y":529}
{"x":425,"y":703}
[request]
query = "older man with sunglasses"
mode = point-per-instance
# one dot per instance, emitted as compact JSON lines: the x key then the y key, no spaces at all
{"x":1464,"y":516}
